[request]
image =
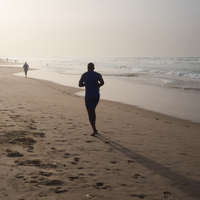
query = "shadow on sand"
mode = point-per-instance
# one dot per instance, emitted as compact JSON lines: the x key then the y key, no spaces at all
{"x":182,"y":183}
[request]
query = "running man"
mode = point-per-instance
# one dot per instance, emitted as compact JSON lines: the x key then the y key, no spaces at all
{"x":25,"y":69}
{"x":92,"y":81}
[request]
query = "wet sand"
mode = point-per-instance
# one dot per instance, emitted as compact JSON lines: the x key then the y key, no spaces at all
{"x":138,"y":91}
{"x":46,"y":151}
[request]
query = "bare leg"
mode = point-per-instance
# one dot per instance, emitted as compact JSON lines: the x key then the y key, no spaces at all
{"x":25,"y":73}
{"x":92,"y":119}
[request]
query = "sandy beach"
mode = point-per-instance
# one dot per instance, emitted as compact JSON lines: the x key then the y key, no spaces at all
{"x":137,"y":91}
{"x":47,"y":153}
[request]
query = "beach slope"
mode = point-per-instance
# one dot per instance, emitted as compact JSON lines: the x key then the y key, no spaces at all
{"x":46,"y":151}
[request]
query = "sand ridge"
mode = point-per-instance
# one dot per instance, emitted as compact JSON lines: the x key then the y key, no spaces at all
{"x":46,"y":151}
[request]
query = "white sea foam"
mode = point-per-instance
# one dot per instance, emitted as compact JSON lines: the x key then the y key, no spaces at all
{"x":186,"y":68}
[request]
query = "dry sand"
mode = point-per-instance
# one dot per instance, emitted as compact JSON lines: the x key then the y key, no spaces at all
{"x":47,"y":153}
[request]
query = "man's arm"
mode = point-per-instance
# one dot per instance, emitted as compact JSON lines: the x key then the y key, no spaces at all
{"x":101,"y":81}
{"x":81,"y":82}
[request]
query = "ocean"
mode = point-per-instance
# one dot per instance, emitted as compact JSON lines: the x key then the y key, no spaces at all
{"x":166,"y":85}
{"x":181,"y":72}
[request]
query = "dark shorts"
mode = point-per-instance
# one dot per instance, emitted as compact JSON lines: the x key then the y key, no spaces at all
{"x":91,"y":102}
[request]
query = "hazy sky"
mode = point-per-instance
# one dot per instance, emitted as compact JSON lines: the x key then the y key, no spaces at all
{"x":65,"y":28}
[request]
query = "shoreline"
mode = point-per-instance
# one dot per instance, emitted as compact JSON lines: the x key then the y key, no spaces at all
{"x":77,"y":90}
{"x":47,"y":152}
{"x":137,"y":92}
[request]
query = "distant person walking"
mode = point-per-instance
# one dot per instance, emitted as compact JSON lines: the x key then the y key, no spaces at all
{"x":25,"y":69}
{"x":92,"y":81}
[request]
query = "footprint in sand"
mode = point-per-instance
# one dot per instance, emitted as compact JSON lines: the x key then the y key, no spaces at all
{"x":43,"y":194}
{"x":14,"y":154}
{"x":35,"y":162}
{"x":32,"y":127}
{"x":100,"y":185}
{"x":80,"y":168}
{"x":30,"y":148}
{"x":167,"y":194}
{"x":49,"y":182}
{"x":90,"y":174}
{"x":74,"y":163}
{"x":66,"y":155}
{"x":141,"y":196}
{"x":89,"y":141}
{"x":60,"y":140}
{"x":19,"y":176}
{"x":23,"y":140}
{"x":38,"y":134}
{"x":136,"y":176}
{"x":14,"y":117}
{"x":45,"y":173}
{"x":72,"y":178}
{"x":76,"y":159}
{"x":33,"y":181}
{"x":130,"y":161}
{"x":59,"y":190}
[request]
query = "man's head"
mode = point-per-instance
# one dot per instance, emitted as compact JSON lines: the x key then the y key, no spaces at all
{"x":90,"y":66}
